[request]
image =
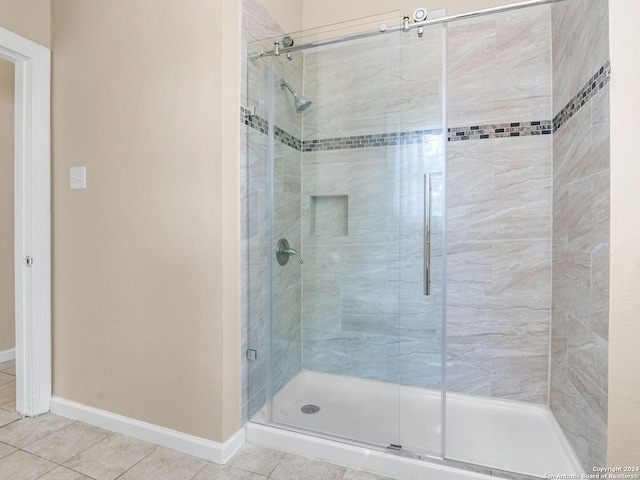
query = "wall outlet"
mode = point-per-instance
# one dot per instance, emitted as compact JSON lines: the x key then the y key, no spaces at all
{"x":78,"y":178}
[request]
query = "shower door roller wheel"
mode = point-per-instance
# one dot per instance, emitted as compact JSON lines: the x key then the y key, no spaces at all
{"x":420,"y":14}
{"x":287,"y":41}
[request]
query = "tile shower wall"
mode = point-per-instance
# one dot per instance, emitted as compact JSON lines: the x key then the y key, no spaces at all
{"x":364,"y":312}
{"x":255,"y":173}
{"x":500,"y":220}
{"x":499,"y":194}
{"x":499,"y":68}
{"x":580,"y":322}
{"x":499,"y":267}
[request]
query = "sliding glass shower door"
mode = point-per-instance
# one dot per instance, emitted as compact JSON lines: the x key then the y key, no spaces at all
{"x":349,"y":137}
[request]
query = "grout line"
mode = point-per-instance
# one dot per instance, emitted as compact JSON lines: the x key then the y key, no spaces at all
{"x":139,"y":461}
{"x":201,"y":470}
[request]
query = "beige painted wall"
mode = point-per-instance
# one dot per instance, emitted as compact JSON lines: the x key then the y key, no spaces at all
{"x":288,"y":13}
{"x":317,"y":13}
{"x":295,"y":15}
{"x":624,"y":328}
{"x":146,"y":259}
{"x":7,"y":291}
{"x":30,"y":19}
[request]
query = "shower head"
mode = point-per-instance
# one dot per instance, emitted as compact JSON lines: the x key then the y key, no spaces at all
{"x":302,"y":103}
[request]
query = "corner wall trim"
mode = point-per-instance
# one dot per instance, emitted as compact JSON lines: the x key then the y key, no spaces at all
{"x":209,"y":450}
{"x":7,"y":355}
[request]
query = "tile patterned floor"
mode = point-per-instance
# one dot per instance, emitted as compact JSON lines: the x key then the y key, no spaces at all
{"x":51,"y":447}
{"x":8,"y":386}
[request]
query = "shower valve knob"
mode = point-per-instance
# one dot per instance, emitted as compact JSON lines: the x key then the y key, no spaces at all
{"x":283,"y":252}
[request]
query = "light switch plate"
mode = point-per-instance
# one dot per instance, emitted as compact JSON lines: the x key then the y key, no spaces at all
{"x":78,"y":178}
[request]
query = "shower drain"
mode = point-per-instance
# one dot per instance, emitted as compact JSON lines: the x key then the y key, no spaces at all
{"x":310,"y":409}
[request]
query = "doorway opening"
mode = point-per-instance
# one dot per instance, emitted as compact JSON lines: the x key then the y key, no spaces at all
{"x":32,"y":221}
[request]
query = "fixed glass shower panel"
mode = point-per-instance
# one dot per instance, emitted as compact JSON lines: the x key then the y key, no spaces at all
{"x":348,"y":145}
{"x":499,"y":234}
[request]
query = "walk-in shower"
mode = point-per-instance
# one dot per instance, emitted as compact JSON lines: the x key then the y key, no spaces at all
{"x":419,"y":190}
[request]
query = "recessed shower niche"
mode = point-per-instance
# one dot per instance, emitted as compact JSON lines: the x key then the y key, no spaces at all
{"x":329,"y":215}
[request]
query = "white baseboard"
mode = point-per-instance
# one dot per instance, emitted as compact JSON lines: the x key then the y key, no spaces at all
{"x":198,"y":447}
{"x":7,"y":355}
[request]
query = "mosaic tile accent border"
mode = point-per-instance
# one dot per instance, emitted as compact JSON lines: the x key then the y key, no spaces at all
{"x":455,"y":134}
{"x":373,"y":140}
{"x":261,"y":125}
{"x":501,"y":130}
{"x":596,"y":83}
{"x":288,"y":139}
{"x":254,"y":121}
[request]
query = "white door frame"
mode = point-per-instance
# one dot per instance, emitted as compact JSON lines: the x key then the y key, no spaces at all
{"x":32,"y":220}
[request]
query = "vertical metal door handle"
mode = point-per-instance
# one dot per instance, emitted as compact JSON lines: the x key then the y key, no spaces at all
{"x":427,"y":234}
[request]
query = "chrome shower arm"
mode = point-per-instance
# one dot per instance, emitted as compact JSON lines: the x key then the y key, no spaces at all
{"x":284,"y":84}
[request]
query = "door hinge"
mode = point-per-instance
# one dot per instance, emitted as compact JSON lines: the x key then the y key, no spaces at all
{"x":28,"y":261}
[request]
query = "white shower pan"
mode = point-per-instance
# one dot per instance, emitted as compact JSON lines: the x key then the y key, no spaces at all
{"x":499,"y":435}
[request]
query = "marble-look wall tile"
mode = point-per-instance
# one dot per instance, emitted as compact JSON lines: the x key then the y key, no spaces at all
{"x":598,"y":433}
{"x":468,"y":365}
{"x":417,"y":361}
{"x":580,"y":45}
{"x":472,"y":45}
{"x":573,"y":414}
{"x":493,"y":326}
{"x":286,"y":323}
{"x":499,"y":267}
{"x":601,"y":129}
{"x":366,"y":286}
{"x":342,"y":83}
{"x":291,"y":71}
{"x":508,"y":381}
{"x":499,"y":68}
{"x":406,"y":81}
{"x":580,"y":290}
{"x":348,"y":353}
{"x":256,"y":269}
{"x":571,"y":282}
{"x":588,"y":352}
{"x":499,"y":189}
{"x":256,"y":25}
{"x":286,"y":326}
{"x":571,"y":154}
{"x":600,"y":295}
{"x":589,"y":219}
{"x":421,"y":71}
{"x":363,"y":312}
{"x":286,"y":341}
{"x":594,"y":397}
